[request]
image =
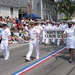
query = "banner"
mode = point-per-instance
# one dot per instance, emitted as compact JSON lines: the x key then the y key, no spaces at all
{"x":54,"y":34}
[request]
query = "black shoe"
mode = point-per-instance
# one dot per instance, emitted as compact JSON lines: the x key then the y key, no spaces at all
{"x":70,"y":61}
{"x":45,"y":44}
{"x":27,"y":60}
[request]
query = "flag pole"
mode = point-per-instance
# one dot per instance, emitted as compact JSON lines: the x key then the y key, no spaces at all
{"x":30,"y":9}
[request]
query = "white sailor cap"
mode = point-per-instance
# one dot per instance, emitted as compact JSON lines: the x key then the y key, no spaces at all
{"x":70,"y":23}
{"x":73,"y":20}
{"x":42,"y":21}
{"x":32,"y":22}
{"x":27,"y":24}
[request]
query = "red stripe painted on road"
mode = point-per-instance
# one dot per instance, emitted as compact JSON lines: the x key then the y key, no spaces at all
{"x":40,"y":62}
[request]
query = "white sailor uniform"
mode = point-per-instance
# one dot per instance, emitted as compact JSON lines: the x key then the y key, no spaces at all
{"x":70,"y":37}
{"x":4,"y":43}
{"x":39,"y":27}
{"x":47,"y":28}
{"x":58,"y":40}
{"x":33,"y":43}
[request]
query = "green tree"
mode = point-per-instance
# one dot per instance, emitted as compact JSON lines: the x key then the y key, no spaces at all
{"x":66,"y":6}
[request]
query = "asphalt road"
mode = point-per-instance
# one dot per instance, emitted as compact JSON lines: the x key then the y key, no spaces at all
{"x":57,"y":65}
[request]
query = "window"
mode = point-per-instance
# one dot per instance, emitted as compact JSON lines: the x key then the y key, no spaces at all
{"x":43,"y":5}
{"x":46,"y":17}
{"x":11,"y":10}
{"x":0,"y":9}
{"x":46,"y":5}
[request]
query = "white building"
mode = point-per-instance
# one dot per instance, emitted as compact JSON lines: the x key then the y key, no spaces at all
{"x":9,"y":8}
{"x":46,"y":9}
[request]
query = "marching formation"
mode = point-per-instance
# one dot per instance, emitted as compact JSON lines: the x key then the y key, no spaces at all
{"x":35,"y":33}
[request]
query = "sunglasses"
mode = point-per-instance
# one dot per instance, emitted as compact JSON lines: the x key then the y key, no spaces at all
{"x":32,"y":24}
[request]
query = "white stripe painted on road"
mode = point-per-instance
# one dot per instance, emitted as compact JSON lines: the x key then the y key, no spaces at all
{"x":17,"y":46}
{"x":42,"y":60}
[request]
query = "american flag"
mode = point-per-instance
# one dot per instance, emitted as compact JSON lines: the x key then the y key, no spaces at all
{"x":38,"y":6}
{"x":28,"y":7}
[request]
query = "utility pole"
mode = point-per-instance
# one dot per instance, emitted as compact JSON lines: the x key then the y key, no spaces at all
{"x":30,"y":9}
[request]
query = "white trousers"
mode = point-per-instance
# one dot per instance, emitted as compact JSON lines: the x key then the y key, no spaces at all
{"x":58,"y":41}
{"x":43,"y":38}
{"x":47,"y":41}
{"x":33,"y":45}
{"x":4,"y":47}
{"x":40,"y":40}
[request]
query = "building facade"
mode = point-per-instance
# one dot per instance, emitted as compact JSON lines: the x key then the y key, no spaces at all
{"x":48,"y":9}
{"x":44,"y":8}
{"x":9,"y":8}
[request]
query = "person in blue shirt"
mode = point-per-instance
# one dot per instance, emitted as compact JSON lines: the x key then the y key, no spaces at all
{"x":1,"y":29}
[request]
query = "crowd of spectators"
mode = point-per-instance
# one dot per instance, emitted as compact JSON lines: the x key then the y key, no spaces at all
{"x":17,"y":27}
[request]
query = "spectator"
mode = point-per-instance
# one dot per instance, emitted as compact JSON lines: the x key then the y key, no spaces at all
{"x":20,"y":39}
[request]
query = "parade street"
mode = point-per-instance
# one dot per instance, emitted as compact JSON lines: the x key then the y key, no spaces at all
{"x":48,"y":64}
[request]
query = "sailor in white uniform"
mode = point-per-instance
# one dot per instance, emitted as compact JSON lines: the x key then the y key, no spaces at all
{"x":34,"y":35}
{"x":39,"y":27}
{"x":58,"y":27}
{"x":26,"y":30}
{"x":6,"y":37}
{"x":69,"y":32}
{"x":42,"y":35}
{"x":53,"y":28}
{"x":64,"y":25}
{"x":47,"y":28}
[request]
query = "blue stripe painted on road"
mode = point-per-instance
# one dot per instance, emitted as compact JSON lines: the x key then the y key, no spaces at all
{"x":27,"y":67}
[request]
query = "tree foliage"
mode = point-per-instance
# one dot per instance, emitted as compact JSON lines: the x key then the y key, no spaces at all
{"x":67,"y":7}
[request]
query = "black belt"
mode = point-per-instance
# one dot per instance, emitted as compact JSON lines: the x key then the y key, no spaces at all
{"x":4,"y":39}
{"x":31,"y":39}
